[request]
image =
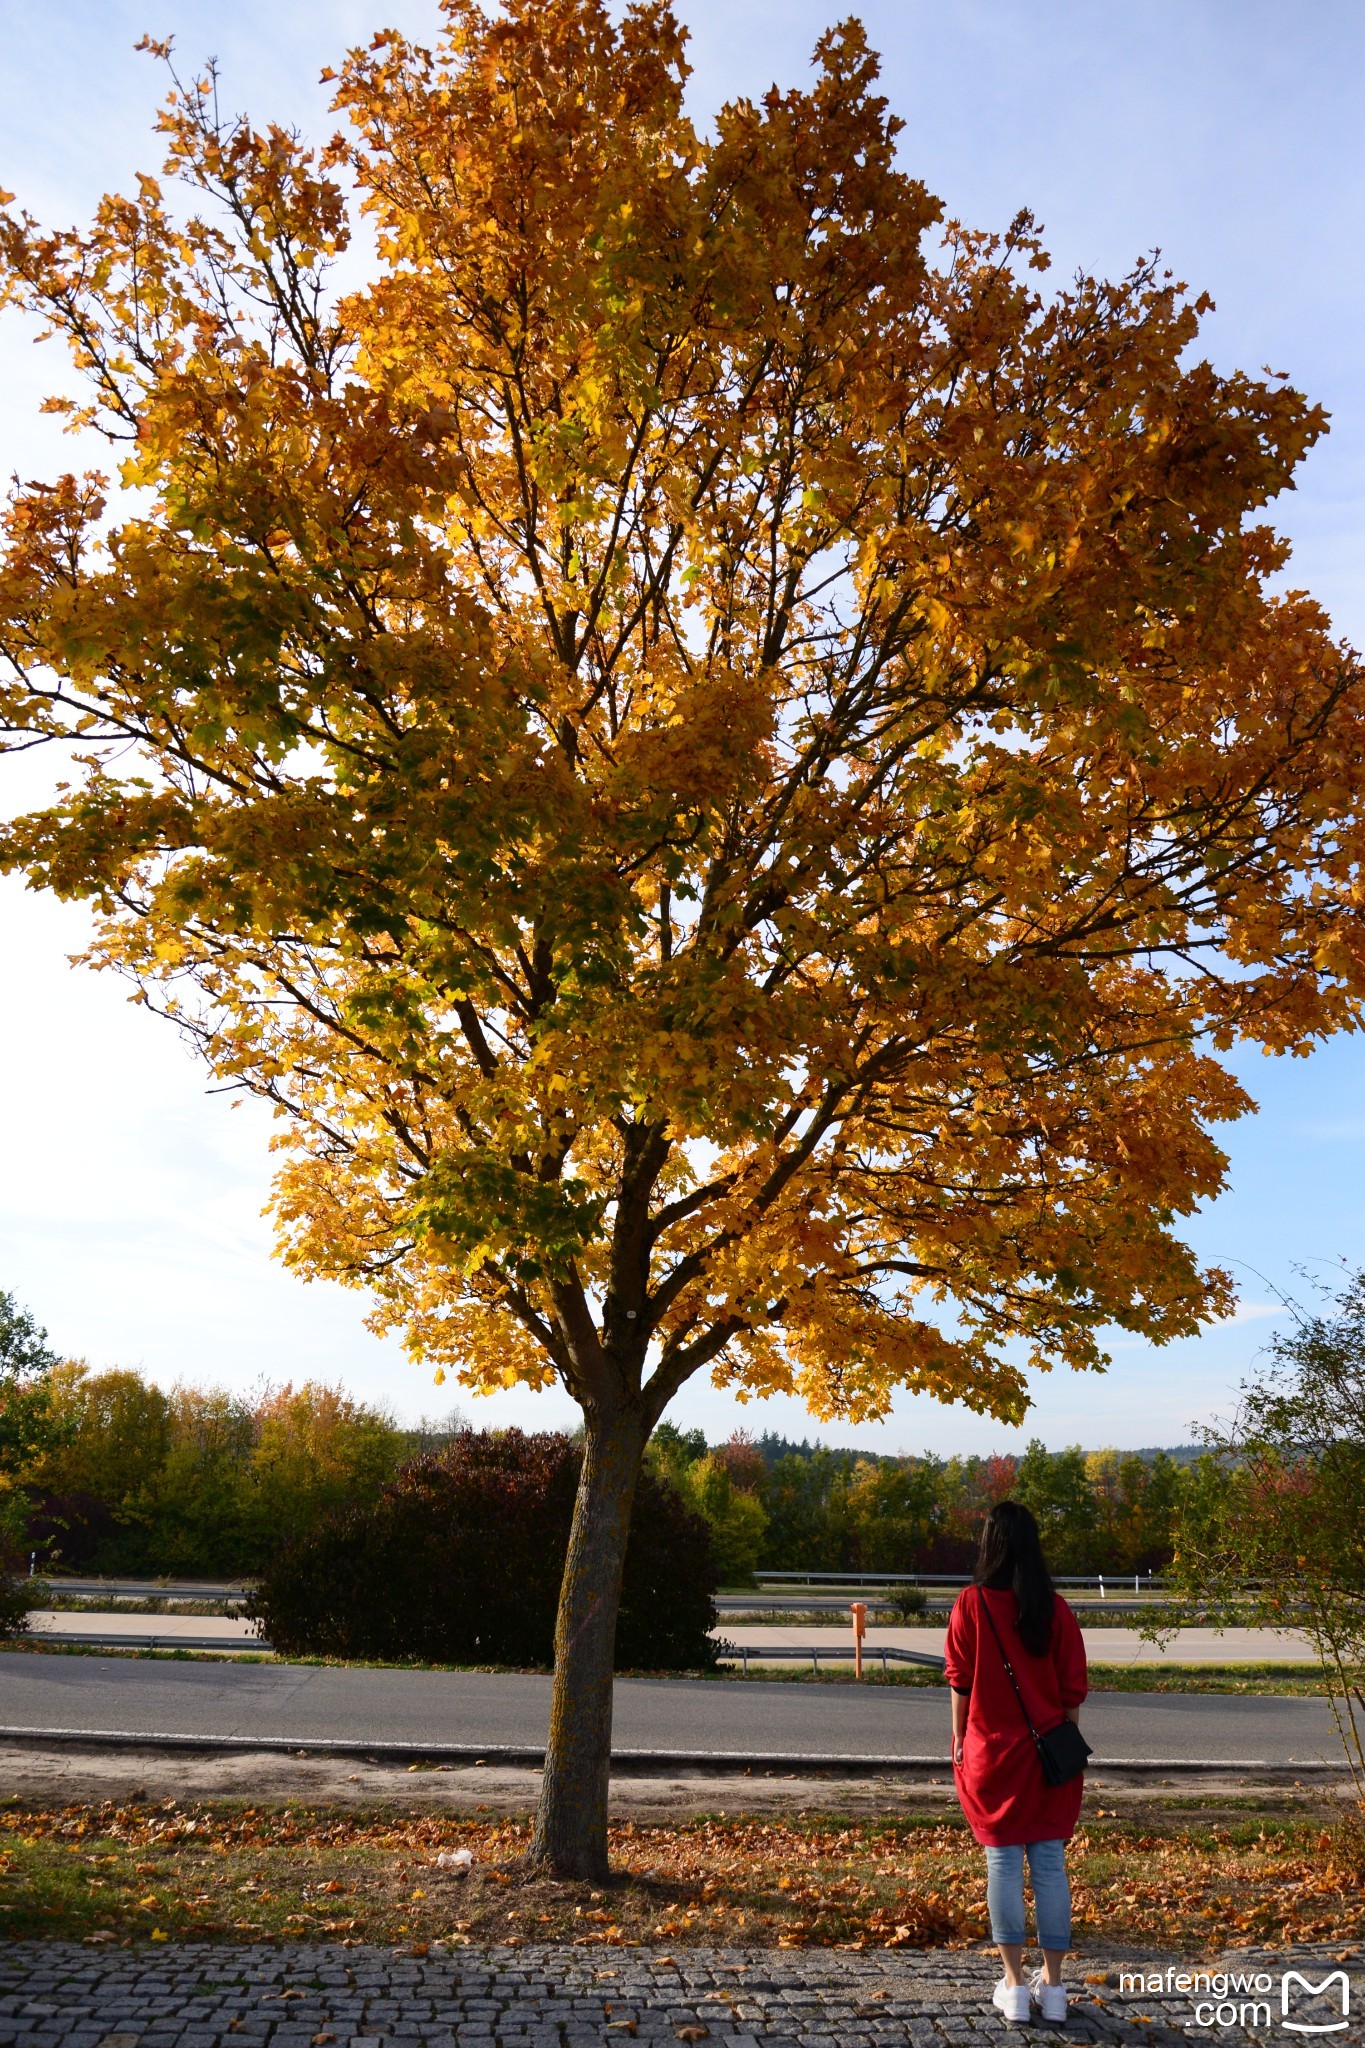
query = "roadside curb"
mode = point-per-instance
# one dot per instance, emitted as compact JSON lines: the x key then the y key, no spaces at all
{"x":641,"y":1762}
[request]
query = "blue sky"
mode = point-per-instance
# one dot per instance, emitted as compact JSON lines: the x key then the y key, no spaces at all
{"x":1225,"y":132}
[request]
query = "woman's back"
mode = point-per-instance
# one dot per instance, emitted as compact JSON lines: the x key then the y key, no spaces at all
{"x":1000,"y":1781}
{"x":1016,"y":1664}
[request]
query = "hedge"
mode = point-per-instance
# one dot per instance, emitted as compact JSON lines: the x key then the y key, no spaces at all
{"x":459,"y":1561}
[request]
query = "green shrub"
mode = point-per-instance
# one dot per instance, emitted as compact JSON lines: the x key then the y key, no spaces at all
{"x":459,"y":1561}
{"x":907,"y":1602}
{"x":14,"y":1607}
{"x":16,"y":1594}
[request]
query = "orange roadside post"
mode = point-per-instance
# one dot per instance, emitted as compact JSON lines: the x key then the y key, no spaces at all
{"x":858,"y":1609}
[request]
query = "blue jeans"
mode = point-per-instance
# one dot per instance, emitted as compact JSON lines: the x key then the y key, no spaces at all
{"x":1051,"y":1894}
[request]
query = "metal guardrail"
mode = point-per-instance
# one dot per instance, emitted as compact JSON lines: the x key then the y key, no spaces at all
{"x":67,"y":1639}
{"x":1142,"y":1581}
{"x":933,"y":1614}
{"x":142,"y":1589}
{"x":788,"y":1653}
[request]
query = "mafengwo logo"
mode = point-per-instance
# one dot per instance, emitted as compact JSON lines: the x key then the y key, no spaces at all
{"x":1338,"y":1984}
{"x":1243,"y":1998}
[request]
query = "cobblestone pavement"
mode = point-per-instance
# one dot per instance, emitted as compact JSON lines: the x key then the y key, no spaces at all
{"x":62,"y":1995}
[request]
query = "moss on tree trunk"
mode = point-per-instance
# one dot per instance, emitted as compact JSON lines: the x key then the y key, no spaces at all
{"x":571,"y":1822}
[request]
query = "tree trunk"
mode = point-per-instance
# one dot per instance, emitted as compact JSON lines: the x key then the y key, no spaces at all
{"x":571,"y":1821}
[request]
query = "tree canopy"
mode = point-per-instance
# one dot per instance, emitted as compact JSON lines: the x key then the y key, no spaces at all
{"x":27,"y":1425}
{"x":24,"y":1350}
{"x":727,"y":757}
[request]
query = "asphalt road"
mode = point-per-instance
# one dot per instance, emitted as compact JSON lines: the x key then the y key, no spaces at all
{"x":308,"y":1703}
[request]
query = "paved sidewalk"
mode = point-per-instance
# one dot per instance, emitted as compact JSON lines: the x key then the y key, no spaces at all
{"x":311,"y":1996}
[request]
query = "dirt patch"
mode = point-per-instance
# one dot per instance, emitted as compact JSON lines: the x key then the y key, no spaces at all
{"x":90,"y":1775}
{"x":276,"y":1777}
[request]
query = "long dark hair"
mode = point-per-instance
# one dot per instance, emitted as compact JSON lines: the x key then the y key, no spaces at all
{"x":1011,"y":1555}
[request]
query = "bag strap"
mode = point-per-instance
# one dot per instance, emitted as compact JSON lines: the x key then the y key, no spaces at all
{"x":986,"y":1610}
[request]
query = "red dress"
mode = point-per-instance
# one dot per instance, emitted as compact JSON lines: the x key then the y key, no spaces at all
{"x":1000,"y":1781}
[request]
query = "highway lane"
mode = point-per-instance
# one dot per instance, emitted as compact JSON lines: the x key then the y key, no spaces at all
{"x":310,"y":1703}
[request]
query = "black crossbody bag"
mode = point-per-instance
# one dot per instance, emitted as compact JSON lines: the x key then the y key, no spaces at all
{"x":1063,"y":1750}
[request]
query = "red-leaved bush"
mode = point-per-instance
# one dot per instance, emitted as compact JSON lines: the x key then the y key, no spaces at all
{"x":459,"y":1562}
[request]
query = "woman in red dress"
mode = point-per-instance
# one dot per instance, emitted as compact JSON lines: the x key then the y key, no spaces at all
{"x":1011,"y":1808}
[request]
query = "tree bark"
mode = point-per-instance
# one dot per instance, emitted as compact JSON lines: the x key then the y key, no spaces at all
{"x":571,"y":1821}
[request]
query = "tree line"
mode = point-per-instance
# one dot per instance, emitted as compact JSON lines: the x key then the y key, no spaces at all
{"x":119,"y":1476}
{"x":816,"y":1508}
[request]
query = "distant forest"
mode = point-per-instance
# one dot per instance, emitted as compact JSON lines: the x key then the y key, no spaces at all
{"x":781,"y":1505}
{"x":772,"y":1448}
{"x":128,"y":1478}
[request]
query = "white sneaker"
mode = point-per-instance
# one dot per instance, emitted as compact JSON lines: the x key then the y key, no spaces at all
{"x":1013,"y":2001}
{"x":1051,"y":1998}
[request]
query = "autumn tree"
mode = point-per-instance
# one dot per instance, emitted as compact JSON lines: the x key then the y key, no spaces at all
{"x":736,"y":1517}
{"x":115,"y":1437}
{"x":315,"y":1449}
{"x":1270,"y":1531}
{"x":197,"y":1479}
{"x":28,"y":1427}
{"x":1136,"y":1501}
{"x":726,"y":758}
{"x":1056,"y":1485}
{"x":24,"y":1350}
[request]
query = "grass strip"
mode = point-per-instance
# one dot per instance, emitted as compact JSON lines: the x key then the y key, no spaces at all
{"x":1230,"y":1678}
{"x":1239,"y":1678}
{"x":152,"y":1603}
{"x":1218,"y":1678}
{"x":217,"y":1871}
